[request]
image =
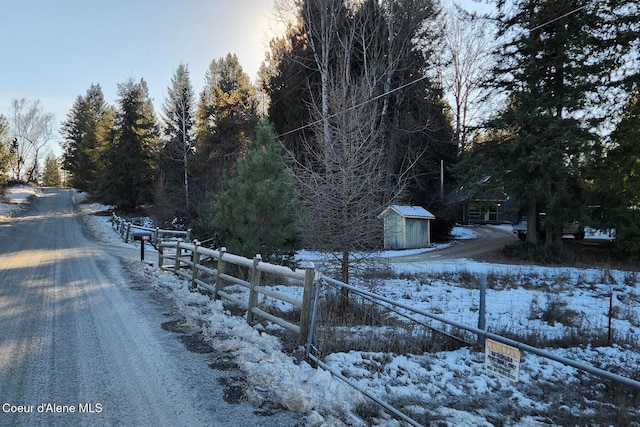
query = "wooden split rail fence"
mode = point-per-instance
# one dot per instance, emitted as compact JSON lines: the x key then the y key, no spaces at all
{"x":188,"y":260}
{"x":126,"y":230}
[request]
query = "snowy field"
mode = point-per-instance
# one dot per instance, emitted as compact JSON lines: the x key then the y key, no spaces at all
{"x":449,"y":388}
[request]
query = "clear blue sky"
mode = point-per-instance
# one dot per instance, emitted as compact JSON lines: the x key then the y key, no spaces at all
{"x":53,"y":50}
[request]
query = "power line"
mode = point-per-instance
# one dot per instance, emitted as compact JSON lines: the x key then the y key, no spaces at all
{"x":558,"y":18}
{"x":416,"y":80}
{"x":355,"y":106}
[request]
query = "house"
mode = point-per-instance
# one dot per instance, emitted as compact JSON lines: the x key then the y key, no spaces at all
{"x":479,"y":204}
{"x":406,"y":227}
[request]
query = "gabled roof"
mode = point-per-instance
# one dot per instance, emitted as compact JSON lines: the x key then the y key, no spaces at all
{"x":407,"y":212}
{"x":476,"y":193}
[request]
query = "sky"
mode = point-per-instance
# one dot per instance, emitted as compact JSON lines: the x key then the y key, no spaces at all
{"x":54,"y":50}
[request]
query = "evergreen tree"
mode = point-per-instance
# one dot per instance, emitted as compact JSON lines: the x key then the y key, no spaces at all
{"x":177,"y":150}
{"x":5,"y":150}
{"x":226,"y":120}
{"x":129,"y":156}
{"x":550,"y":64}
{"x":289,"y":75}
{"x":257,"y":210}
{"x":618,"y":182}
{"x":105,"y":133}
{"x":82,"y":145}
{"x":51,"y":173}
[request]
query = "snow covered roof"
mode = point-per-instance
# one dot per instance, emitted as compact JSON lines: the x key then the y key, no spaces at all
{"x":408,"y":212}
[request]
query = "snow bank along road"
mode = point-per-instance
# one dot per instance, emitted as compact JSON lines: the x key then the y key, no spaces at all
{"x":80,"y":346}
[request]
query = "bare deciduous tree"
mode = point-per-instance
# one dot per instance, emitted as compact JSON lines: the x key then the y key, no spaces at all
{"x":321,"y":18}
{"x":32,"y":129}
{"x":344,"y":185}
{"x":468,"y":54}
{"x":355,"y":161}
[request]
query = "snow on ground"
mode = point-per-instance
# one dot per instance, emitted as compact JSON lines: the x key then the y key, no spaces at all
{"x":451,"y":388}
{"x":14,"y":199}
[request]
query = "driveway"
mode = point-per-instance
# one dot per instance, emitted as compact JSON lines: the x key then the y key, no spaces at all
{"x":489,"y":240}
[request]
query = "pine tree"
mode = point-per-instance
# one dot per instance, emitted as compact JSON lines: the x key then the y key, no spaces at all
{"x":82,"y":146}
{"x":618,"y":181}
{"x":257,"y":210}
{"x":105,"y":133}
{"x":177,"y":150}
{"x":129,"y":157}
{"x":51,"y":173}
{"x":549,"y":66}
{"x":226,"y":120}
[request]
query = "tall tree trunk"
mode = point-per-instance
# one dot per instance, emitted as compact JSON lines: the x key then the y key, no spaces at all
{"x":532,"y":222}
{"x":185,"y":151}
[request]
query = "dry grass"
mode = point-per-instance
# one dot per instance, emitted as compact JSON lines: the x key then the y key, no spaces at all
{"x":553,"y":308}
{"x":361,"y":325}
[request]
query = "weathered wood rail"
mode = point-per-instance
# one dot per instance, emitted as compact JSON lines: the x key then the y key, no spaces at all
{"x":126,"y":230}
{"x":186,"y":260}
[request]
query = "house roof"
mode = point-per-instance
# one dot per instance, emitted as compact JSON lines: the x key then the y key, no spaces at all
{"x":407,"y":212}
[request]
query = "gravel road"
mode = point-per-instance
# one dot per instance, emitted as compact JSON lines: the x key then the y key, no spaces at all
{"x":79,"y":345}
{"x":482,"y":248}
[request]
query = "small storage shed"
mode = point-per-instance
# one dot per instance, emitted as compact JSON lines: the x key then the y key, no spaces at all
{"x":406,"y":227}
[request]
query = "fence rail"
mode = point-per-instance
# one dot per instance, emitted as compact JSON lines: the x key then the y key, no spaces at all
{"x":186,"y":260}
{"x":417,"y":316}
{"x":209,"y":269}
{"x":483,"y":333}
{"x":126,"y":230}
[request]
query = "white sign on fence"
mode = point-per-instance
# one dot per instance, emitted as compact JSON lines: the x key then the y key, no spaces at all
{"x":502,"y":360}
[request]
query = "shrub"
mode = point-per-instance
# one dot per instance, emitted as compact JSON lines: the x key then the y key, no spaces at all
{"x":555,"y":253}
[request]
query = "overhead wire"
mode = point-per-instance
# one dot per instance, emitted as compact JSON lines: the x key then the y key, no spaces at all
{"x":411,"y":83}
{"x":558,"y":18}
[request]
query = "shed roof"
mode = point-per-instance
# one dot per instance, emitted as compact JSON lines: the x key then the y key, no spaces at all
{"x":408,"y":212}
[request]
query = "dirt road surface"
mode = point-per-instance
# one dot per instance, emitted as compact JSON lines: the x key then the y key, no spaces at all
{"x":489,"y":241}
{"x":79,"y":345}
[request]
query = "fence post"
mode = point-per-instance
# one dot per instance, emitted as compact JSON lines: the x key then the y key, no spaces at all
{"x":156,"y":238}
{"x":253,"y":294}
{"x":317,"y":284}
{"x":307,"y":302}
{"x":126,"y":237}
{"x":178,"y":262}
{"x":610,"y":334}
{"x":219,"y":271}
{"x":196,"y":262}
{"x":160,"y":257}
{"x":482,"y":312}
